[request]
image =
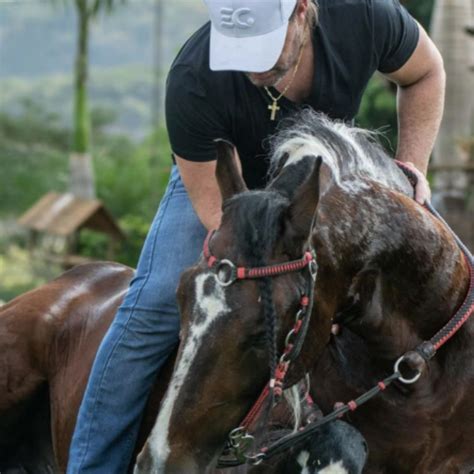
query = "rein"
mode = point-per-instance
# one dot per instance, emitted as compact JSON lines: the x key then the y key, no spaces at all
{"x":240,"y":441}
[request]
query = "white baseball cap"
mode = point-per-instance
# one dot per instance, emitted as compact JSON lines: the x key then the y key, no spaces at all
{"x":247,"y":35}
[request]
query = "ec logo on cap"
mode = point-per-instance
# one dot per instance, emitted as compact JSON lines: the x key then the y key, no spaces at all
{"x":231,"y":18}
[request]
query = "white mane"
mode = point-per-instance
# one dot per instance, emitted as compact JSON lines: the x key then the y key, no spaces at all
{"x":354,"y":156}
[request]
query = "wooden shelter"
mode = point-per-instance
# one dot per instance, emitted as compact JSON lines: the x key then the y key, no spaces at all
{"x":60,"y":218}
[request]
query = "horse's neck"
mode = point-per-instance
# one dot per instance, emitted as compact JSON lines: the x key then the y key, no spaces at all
{"x":403,"y":271}
{"x":428,"y":278}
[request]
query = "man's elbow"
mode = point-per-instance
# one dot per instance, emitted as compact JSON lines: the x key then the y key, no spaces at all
{"x":437,"y":70}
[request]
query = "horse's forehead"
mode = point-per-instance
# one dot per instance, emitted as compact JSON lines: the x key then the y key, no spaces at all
{"x":210,"y":304}
{"x":210,"y":298}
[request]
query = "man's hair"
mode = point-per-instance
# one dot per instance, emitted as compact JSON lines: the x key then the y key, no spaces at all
{"x":312,"y":14}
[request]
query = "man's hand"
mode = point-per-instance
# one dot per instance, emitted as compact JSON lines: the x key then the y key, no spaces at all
{"x":422,"y":189}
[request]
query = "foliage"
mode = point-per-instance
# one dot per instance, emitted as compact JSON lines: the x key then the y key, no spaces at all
{"x":378,"y":112}
{"x":20,"y":273}
{"x":421,"y":10}
{"x":33,"y":147}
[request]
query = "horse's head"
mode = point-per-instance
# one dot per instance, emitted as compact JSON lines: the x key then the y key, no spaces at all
{"x":233,"y":331}
{"x":379,"y":251}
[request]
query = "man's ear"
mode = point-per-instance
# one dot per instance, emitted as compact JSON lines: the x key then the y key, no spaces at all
{"x":228,"y":175}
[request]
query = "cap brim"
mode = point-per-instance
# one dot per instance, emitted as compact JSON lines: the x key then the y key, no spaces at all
{"x":253,"y":54}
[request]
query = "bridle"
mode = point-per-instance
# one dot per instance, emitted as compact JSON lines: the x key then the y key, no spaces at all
{"x":228,"y":273}
{"x":240,"y":441}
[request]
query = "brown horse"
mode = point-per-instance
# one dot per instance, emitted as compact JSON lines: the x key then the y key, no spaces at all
{"x":377,"y":252}
{"x":389,"y":273}
{"x":49,"y":338}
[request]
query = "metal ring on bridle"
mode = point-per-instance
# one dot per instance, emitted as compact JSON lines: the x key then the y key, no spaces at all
{"x":289,"y":336}
{"x":256,"y":460}
{"x":402,"y":379}
{"x":232,"y":272}
{"x":301,"y":312}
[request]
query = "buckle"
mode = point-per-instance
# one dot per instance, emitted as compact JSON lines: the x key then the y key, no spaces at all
{"x":226,"y":272}
{"x":396,"y":370}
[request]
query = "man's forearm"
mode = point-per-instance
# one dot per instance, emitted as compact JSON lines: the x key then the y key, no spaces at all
{"x":420,"y":109}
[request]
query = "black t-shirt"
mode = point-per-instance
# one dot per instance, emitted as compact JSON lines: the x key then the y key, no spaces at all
{"x":353,"y":39}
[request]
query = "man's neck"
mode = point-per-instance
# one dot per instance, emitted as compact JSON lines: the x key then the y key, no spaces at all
{"x":300,"y":88}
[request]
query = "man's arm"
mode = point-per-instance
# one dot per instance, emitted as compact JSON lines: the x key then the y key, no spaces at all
{"x":421,"y":82}
{"x":200,"y":181}
{"x":201,"y":184}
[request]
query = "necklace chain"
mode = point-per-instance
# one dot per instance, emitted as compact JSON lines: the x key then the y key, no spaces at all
{"x":274,"y":106}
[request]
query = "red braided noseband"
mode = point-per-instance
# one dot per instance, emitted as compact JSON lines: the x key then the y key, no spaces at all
{"x":243,"y":273}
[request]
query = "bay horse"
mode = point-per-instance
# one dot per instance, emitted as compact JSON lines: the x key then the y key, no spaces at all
{"x":389,"y":273}
{"x":48,"y":340}
{"x":349,"y":206}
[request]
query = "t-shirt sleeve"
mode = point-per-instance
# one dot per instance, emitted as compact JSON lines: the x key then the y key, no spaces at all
{"x":396,"y":35}
{"x":192,"y":119}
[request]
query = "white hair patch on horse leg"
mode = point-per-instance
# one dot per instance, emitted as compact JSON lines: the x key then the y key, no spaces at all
{"x":209,"y":306}
{"x":334,"y":468}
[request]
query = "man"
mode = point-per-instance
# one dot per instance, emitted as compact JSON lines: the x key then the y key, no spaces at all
{"x":258,"y":61}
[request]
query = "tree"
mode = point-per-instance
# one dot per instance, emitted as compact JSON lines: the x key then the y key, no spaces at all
{"x":81,"y":170}
{"x":450,"y":19}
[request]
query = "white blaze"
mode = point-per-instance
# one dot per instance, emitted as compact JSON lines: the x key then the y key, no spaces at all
{"x":208,"y":308}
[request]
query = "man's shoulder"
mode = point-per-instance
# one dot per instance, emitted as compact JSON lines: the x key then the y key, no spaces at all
{"x":338,"y":4}
{"x":355,"y":9}
{"x":335,"y":8}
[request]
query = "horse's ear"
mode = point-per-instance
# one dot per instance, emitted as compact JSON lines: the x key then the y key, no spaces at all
{"x":304,"y":203}
{"x":289,"y":179}
{"x":228,"y":175}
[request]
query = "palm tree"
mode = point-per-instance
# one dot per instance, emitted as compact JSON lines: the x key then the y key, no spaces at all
{"x":81,"y":170}
{"x":448,"y":29}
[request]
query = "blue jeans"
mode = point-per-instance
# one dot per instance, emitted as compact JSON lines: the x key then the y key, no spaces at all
{"x":143,"y":334}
